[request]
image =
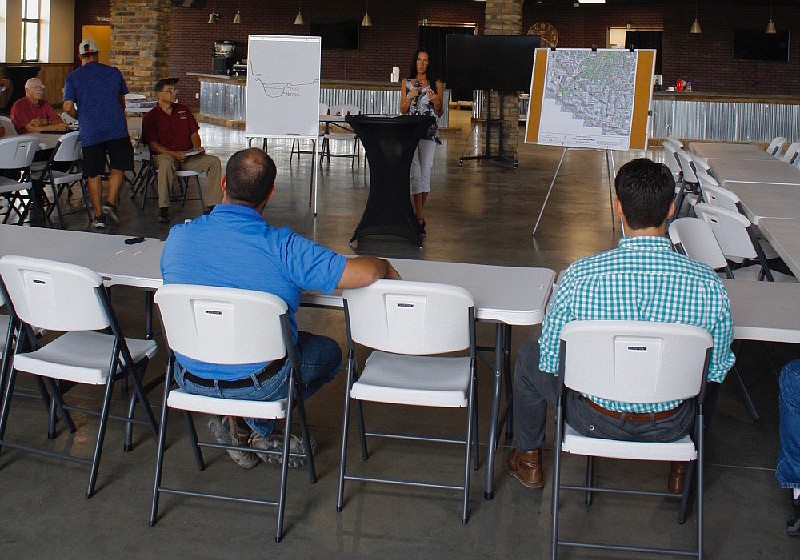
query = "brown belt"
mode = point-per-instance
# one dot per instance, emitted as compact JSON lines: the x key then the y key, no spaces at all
{"x":634,"y":416}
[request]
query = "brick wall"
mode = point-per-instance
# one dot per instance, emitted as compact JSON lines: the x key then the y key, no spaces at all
{"x":503,"y":17}
{"x":140,"y":41}
{"x":705,"y":59}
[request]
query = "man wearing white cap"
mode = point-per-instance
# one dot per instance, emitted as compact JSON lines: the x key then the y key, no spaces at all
{"x":32,"y":113}
{"x":99,"y":92}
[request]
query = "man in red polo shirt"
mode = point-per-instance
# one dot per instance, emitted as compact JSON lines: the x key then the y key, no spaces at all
{"x":32,"y":113}
{"x":172,"y":133}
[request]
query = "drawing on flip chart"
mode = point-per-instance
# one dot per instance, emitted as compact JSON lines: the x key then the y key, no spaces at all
{"x":280,"y":89}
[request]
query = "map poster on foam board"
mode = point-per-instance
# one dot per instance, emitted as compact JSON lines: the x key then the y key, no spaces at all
{"x":283,"y":81}
{"x":584,"y":98}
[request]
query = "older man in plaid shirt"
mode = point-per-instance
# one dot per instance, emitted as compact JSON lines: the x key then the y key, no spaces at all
{"x":641,"y":280}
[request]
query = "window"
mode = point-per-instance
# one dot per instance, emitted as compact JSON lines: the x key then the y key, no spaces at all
{"x":31,"y":27}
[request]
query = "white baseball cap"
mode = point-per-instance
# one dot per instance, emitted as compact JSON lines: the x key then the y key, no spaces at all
{"x":88,"y":46}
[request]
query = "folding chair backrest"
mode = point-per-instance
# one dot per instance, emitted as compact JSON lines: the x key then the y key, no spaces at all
{"x":717,"y":196}
{"x":223,"y":325}
{"x":776,"y":145}
{"x":345,"y":110}
{"x":700,"y":163}
{"x":635,"y":361}
{"x":686,"y":167}
{"x":323,"y":109}
{"x":697,"y":240}
{"x":730,"y":229}
{"x":671,"y":143}
{"x":69,"y":148}
{"x":671,"y":159}
{"x":791,"y":152}
{"x":9,"y":127}
{"x":17,"y":152}
{"x":409,"y":317}
{"x":53,"y":295}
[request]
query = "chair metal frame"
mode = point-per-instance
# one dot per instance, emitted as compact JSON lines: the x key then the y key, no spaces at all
{"x":644,"y":331}
{"x":410,"y":290}
{"x":19,"y":194}
{"x":219,"y":297}
{"x":64,"y":180}
{"x":346,"y":134}
{"x":121,"y":366}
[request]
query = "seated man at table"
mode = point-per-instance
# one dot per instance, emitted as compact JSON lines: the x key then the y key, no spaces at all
{"x":641,"y":280}
{"x":233,"y":247}
{"x":32,"y":113}
{"x":172,"y":133}
{"x":788,"y":469}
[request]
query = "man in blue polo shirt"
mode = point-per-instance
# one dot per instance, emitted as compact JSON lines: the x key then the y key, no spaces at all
{"x":99,"y":92}
{"x":233,"y":247}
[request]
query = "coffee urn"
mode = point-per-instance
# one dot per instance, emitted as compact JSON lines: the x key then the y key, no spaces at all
{"x":223,"y":58}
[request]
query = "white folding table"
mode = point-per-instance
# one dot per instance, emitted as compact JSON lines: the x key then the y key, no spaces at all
{"x":710,"y":150}
{"x":784,"y":236}
{"x":767,"y":200}
{"x":506,"y":296}
{"x":754,"y":171}
{"x":765,"y":311}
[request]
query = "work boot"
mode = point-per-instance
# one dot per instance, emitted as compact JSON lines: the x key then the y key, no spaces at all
{"x":227,"y":431}
{"x":677,"y":477}
{"x":526,"y":466}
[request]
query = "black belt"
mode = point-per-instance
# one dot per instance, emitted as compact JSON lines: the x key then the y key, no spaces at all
{"x":269,"y":371}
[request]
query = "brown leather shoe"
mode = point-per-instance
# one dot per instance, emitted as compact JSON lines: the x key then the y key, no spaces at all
{"x":677,"y":478}
{"x":526,"y":466}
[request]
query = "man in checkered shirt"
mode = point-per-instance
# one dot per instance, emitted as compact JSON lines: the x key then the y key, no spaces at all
{"x":641,"y":280}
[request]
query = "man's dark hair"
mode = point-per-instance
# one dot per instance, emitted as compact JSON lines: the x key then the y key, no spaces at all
{"x":249,"y":177}
{"x":645,"y":189}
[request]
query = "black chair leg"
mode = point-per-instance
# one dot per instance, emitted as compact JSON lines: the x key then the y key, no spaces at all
{"x":101,"y":434}
{"x":198,"y":453}
{"x":162,"y":436}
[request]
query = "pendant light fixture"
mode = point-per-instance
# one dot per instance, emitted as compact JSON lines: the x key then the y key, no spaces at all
{"x":696,"y":25}
{"x":298,"y":20}
{"x":366,"y":21}
{"x":237,"y":19}
{"x":213,"y":18}
{"x":771,"y":25}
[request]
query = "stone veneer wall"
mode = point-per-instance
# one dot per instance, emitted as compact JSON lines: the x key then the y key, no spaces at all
{"x":504,"y":17}
{"x":140,"y":32}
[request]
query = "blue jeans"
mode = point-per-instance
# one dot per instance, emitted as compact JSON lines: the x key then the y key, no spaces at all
{"x":319,"y":360}
{"x":788,"y":470}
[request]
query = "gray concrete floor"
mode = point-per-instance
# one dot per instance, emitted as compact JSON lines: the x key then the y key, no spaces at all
{"x":482,"y":213}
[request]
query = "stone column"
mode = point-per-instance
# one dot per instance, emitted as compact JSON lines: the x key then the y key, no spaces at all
{"x":504,"y":17}
{"x":140,"y":41}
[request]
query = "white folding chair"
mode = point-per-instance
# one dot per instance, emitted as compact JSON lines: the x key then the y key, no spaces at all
{"x":342,"y":133}
{"x":8,"y":125}
{"x":631,"y":361}
{"x":693,"y":237}
{"x":16,"y":154}
{"x":407,"y":324}
{"x":671,"y":161}
{"x":68,"y":298}
{"x":147,"y":176}
{"x":790,"y":155}
{"x":690,"y":183}
{"x":229,"y":326}
{"x":775,"y":147}
{"x":738,"y":240}
{"x":67,"y":154}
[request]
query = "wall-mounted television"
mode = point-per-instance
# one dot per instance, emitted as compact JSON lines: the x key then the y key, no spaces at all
{"x":754,"y":44}
{"x":336,"y":35}
{"x":497,"y":62}
{"x":189,"y":3}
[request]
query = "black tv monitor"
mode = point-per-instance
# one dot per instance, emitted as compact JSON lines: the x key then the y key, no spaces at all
{"x":754,"y":44}
{"x":497,"y":62}
{"x":189,"y":3}
{"x":336,"y":35}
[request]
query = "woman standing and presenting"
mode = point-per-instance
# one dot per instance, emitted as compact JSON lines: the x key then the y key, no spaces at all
{"x":421,"y":94}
